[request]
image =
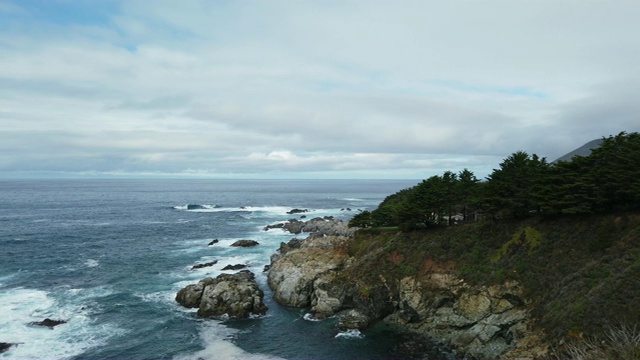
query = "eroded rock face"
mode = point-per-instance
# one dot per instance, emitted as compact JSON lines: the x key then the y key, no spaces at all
{"x":234,"y":295}
{"x":485,"y":322}
{"x":293,"y":274}
{"x":319,"y":226}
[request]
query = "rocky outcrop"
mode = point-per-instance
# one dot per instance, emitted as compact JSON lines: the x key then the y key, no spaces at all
{"x":292,"y":276}
{"x":50,"y":323}
{"x":319,"y":226}
{"x":6,"y":346}
{"x":233,"y":295}
{"x":482,"y":322}
{"x":234,"y":267}
{"x":297,"y":211}
{"x":485,"y":322}
{"x":245,"y":243}
{"x":204,"y":265}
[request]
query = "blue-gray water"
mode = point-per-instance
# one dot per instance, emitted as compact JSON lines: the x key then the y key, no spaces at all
{"x":109,"y":256}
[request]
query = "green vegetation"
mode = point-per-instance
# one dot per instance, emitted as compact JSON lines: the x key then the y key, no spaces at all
{"x":606,"y":181}
{"x":568,"y":232}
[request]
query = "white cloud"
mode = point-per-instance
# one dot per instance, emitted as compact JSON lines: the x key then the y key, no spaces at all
{"x":331,"y":89}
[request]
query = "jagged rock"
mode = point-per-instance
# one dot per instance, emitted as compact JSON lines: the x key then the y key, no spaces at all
{"x":234,"y":267}
{"x":292,"y":275}
{"x":266,"y":268}
{"x":203,"y":265}
{"x":5,"y":346}
{"x":215,"y":241}
{"x":191,"y":295}
{"x":319,"y":226}
{"x":353,"y":319}
{"x":297,"y":211}
{"x":234,"y":295}
{"x":292,"y":244}
{"x":50,"y":323}
{"x":273,"y":226}
{"x":331,"y":294}
{"x":245,"y":243}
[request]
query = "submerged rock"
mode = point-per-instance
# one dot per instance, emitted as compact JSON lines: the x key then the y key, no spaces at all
{"x":5,"y":346}
{"x":233,"y":295}
{"x":203,"y":265}
{"x":50,"y":323}
{"x":234,"y":267}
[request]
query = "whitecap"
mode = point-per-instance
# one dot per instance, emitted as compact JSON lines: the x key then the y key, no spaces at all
{"x":350,"y":334}
{"x":19,"y":307}
{"x":91,"y":263}
{"x":309,"y":317}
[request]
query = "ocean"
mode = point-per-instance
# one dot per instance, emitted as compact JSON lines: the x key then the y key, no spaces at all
{"x":108,"y":257}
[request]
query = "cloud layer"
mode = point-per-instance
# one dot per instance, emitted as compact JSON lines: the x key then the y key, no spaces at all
{"x":332,"y":89}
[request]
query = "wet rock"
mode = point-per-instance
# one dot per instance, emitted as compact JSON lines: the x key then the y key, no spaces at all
{"x":273,"y":226}
{"x":5,"y":346}
{"x":50,"y":323}
{"x":353,"y":319}
{"x":215,"y":241}
{"x":203,"y":265}
{"x":234,"y":267}
{"x":297,"y":211}
{"x":232,"y":295}
{"x":245,"y":243}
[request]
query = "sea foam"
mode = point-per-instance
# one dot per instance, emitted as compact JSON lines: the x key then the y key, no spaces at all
{"x":20,"y":307}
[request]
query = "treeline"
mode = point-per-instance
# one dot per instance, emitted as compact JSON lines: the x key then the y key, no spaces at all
{"x":605,"y":181}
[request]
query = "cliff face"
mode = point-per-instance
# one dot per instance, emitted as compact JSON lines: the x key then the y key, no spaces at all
{"x":485,"y":322}
{"x":488,"y":290}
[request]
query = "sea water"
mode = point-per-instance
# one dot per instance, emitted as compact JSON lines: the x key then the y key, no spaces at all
{"x":108,"y":257}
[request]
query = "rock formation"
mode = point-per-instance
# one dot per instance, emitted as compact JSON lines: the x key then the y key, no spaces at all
{"x":203,"y":265}
{"x":5,"y":346}
{"x":245,"y":243}
{"x":292,"y":275}
{"x":50,"y":323}
{"x":319,"y":226}
{"x":483,"y":322}
{"x":233,"y":295}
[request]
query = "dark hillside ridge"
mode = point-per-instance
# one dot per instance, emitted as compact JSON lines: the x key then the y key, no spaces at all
{"x":584,"y":150}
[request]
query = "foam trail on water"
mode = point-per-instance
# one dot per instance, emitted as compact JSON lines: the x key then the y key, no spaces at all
{"x":20,"y":307}
{"x":350,"y":334}
{"x":218,"y":346}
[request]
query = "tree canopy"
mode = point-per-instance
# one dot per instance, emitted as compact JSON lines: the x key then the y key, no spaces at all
{"x":607,"y":180}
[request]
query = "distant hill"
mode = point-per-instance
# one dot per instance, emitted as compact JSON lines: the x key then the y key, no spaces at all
{"x":583,"y":150}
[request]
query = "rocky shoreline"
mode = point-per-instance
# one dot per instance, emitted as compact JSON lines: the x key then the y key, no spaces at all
{"x":480,"y":322}
{"x":319,"y":273}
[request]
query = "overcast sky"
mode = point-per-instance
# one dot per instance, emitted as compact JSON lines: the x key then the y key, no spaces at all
{"x":309,"y":89}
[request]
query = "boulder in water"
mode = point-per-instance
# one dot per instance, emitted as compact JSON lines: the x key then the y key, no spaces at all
{"x":234,"y":295}
{"x":215,"y":241}
{"x":245,"y":243}
{"x":234,"y":267}
{"x":203,"y":265}
{"x":50,"y":323}
{"x":5,"y":346}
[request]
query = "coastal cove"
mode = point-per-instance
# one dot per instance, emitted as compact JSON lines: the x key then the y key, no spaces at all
{"x":108,"y":256}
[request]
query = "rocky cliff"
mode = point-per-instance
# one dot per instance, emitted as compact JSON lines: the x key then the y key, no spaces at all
{"x":483,"y":322}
